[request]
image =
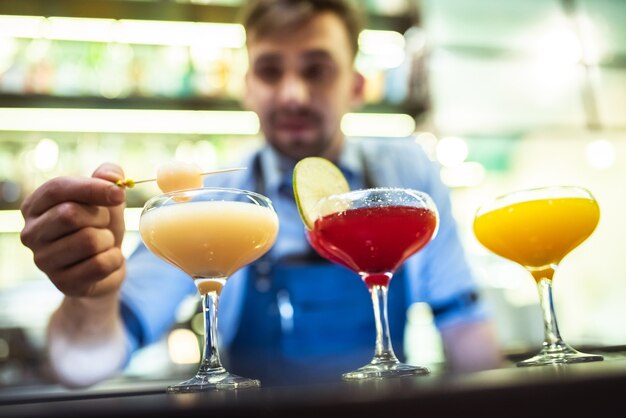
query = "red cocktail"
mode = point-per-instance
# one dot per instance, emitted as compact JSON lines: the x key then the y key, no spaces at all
{"x":373,"y":240}
{"x":372,"y":232}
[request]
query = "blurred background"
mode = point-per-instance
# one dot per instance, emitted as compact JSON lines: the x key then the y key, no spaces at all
{"x":504,"y":95}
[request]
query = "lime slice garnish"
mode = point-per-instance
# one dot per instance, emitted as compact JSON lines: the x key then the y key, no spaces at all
{"x":315,"y":178}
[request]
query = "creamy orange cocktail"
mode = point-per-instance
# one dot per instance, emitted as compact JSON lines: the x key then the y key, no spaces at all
{"x":209,"y":239}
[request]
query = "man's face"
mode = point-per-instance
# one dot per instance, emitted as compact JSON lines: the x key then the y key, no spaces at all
{"x":301,"y":85}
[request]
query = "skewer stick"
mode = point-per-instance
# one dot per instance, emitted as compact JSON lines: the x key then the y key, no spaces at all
{"x":130,"y":183}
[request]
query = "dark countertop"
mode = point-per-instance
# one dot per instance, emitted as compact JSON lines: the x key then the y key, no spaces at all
{"x":586,"y":389}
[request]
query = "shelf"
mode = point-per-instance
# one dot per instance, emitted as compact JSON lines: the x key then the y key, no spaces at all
{"x":121,"y":9}
{"x":94,"y":102}
{"x":159,"y":10}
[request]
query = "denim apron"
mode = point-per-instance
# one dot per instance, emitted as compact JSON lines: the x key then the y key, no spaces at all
{"x":308,"y":320}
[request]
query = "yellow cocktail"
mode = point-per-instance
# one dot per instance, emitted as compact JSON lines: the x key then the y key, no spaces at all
{"x":209,"y":234}
{"x":537,"y":228}
{"x":538,"y":233}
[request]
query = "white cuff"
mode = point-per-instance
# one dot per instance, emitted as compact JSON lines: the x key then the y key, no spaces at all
{"x":77,"y":361}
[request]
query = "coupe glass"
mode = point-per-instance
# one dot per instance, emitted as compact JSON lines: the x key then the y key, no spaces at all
{"x":537,"y":228}
{"x":372,"y":232}
{"x":209,"y":233}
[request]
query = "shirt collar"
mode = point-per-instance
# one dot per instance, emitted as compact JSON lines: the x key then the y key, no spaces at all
{"x":277,"y":169}
{"x":351,"y":162}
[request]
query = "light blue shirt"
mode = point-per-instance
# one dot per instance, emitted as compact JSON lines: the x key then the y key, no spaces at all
{"x":438,"y":274}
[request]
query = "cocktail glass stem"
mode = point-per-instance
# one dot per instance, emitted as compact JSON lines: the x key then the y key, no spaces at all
{"x":384,"y":350}
{"x":210,"y":355}
{"x":384,"y":363}
{"x":211,"y":374}
{"x":553,"y":350}
{"x":552,"y":336}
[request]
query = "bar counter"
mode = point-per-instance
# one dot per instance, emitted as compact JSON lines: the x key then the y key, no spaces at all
{"x":585,"y":389}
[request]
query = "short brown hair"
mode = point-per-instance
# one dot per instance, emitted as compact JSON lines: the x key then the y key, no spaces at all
{"x":272,"y":17}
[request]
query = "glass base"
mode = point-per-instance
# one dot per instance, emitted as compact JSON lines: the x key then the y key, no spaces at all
{"x":559,"y":353}
{"x":385,"y":369}
{"x":218,"y":379}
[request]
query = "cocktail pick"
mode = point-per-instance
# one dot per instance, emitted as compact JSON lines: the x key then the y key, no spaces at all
{"x":130,"y":183}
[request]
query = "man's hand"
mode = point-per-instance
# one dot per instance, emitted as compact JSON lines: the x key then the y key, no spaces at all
{"x":75,"y":227}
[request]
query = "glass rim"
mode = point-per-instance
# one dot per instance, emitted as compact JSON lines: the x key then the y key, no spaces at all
{"x":376,"y":189}
{"x":505,"y":199}
{"x":326,"y":205}
{"x":207,"y":189}
{"x":198,"y":190}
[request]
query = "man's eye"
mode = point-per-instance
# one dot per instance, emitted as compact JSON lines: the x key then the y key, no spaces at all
{"x":269,"y":74}
{"x":316,"y":72}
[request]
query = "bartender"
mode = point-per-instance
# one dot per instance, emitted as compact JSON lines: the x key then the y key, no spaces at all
{"x":300,"y":82}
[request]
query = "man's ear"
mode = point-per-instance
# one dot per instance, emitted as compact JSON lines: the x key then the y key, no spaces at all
{"x":358,"y":90}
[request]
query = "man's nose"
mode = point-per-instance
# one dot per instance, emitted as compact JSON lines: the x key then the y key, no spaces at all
{"x":293,"y":90}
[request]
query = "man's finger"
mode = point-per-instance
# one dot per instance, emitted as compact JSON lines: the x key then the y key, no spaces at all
{"x":90,"y":191}
{"x":82,"y":279}
{"x":67,"y":218}
{"x":74,"y":249}
{"x":113,"y":172}
{"x":110,"y":172}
